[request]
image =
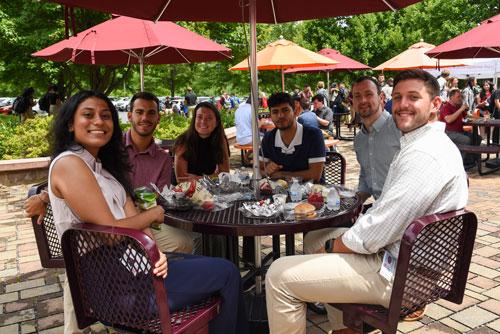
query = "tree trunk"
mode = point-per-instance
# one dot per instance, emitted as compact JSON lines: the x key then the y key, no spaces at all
{"x":172,"y":80}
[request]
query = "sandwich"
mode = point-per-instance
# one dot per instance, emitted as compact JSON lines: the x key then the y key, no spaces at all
{"x":304,"y":211}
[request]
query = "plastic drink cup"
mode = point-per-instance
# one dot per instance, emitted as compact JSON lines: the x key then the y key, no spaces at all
{"x":145,"y":198}
{"x":279,"y":199}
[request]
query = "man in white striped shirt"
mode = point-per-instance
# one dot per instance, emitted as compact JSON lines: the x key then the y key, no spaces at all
{"x":426,"y":176}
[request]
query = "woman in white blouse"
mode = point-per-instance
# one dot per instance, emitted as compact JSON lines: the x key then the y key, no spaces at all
{"x":89,"y":169}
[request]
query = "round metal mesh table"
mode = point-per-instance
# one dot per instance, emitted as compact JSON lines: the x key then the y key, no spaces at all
{"x":231,"y":221}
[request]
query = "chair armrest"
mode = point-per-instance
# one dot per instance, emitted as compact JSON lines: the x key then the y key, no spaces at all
{"x":143,"y":239}
{"x":37,"y":188}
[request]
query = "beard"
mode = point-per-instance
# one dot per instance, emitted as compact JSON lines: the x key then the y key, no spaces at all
{"x":144,"y":133}
{"x":282,"y":126}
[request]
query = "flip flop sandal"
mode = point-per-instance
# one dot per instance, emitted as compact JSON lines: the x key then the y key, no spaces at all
{"x":417,"y":315}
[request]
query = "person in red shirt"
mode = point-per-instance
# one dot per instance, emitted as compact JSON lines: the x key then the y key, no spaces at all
{"x":452,"y":113}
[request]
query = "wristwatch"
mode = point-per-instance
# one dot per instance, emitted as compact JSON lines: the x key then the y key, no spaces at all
{"x":329,"y":245}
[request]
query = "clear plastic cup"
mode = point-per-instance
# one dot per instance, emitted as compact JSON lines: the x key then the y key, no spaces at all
{"x":279,"y":199}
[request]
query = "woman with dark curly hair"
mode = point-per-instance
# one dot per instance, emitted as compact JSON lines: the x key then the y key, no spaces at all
{"x":88,"y":182}
{"x":203,"y":148}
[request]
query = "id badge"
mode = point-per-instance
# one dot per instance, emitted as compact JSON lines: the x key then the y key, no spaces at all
{"x":388,"y":267}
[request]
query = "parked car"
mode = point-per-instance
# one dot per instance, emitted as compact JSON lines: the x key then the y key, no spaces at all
{"x":122,"y":103}
{"x":203,"y":99}
{"x":6,"y":105}
{"x":176,"y":100}
{"x":164,"y":102}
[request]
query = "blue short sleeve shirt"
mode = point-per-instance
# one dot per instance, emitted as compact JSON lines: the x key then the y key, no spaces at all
{"x":306,"y":147}
{"x":308,"y":118}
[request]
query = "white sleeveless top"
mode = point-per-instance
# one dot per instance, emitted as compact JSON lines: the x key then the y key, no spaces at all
{"x":113,"y":192}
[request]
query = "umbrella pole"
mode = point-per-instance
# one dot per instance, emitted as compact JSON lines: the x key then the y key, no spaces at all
{"x":282,"y":79}
{"x":141,"y":72}
{"x":328,"y":82}
{"x":254,"y":87}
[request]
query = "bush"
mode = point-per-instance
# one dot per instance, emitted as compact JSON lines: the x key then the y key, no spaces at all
{"x":26,"y":140}
{"x":227,"y":118}
{"x":171,"y":126}
{"x":29,"y":140}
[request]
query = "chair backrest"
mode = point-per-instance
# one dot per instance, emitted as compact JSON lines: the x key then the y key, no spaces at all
{"x":335,"y":167}
{"x":47,"y":241}
{"x":110,"y":276}
{"x":168,"y":144}
{"x":433,"y":261}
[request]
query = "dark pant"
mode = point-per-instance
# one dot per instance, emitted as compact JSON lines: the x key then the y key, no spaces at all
{"x":192,"y":278}
{"x":465,"y":138}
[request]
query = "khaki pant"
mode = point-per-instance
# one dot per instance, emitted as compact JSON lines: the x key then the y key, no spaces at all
{"x":70,"y":324}
{"x":315,"y":240}
{"x":172,"y":239}
{"x":328,"y":278}
{"x":53,"y":109}
{"x":28,"y":114}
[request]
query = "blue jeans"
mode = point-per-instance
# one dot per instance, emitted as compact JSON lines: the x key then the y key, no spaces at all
{"x":192,"y":278}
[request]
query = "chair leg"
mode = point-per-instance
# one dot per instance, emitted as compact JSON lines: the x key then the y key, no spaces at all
{"x":248,"y":253}
{"x":276,"y":247}
{"x":232,"y":249}
{"x":290,"y":244}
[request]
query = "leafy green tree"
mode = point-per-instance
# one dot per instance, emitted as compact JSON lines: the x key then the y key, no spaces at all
{"x":28,"y":26}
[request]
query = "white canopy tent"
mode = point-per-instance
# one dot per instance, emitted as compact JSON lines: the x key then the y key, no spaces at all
{"x":480,"y":68}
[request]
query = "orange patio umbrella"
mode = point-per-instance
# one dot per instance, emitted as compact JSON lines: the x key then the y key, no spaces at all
{"x":415,"y":57}
{"x":283,"y":54}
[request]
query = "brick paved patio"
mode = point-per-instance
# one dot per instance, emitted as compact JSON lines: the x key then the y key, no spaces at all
{"x":31,"y":297}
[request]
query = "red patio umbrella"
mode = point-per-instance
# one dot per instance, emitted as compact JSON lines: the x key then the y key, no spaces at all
{"x":480,"y":42}
{"x":145,"y":42}
{"x":344,"y":64}
{"x":268,"y":11}
{"x":252,"y":11}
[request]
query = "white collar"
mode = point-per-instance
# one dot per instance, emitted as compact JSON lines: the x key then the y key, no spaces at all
{"x":437,"y":125}
{"x":296,"y":141}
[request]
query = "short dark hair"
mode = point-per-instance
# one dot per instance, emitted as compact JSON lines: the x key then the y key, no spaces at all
{"x":304,"y":103}
{"x":319,"y":97}
{"x":453,"y":91}
{"x":145,"y":96}
{"x":368,"y":78}
{"x":29,"y":91}
{"x":279,"y":98}
{"x":430,"y":82}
